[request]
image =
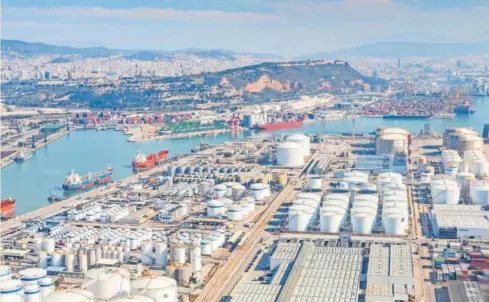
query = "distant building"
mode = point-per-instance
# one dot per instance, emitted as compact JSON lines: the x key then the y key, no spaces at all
{"x":485,"y":132}
{"x":399,"y":63}
{"x":47,"y":75}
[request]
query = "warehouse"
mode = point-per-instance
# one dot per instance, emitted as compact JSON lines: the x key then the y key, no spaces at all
{"x":459,"y":221}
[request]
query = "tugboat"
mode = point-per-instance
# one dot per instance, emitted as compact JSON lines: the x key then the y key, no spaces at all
{"x":23,"y":156}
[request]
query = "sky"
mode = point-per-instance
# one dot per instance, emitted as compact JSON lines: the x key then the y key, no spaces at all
{"x":281,"y":27}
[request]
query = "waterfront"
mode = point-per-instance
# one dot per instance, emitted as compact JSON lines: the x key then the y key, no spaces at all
{"x":86,"y":151}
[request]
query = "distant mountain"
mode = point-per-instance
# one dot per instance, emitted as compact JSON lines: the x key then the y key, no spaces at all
{"x":31,"y":49}
{"x":405,"y":49}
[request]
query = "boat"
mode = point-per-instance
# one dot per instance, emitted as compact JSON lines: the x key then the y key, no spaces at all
{"x":465,"y":108}
{"x":7,"y":207}
{"x":75,"y":181}
{"x":23,"y":156}
{"x":142,"y":161}
{"x":395,"y":116}
{"x":279,"y":125}
{"x":54,"y":198}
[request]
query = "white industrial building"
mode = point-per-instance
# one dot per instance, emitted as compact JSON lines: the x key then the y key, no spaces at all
{"x":459,"y":221}
{"x":290,"y":154}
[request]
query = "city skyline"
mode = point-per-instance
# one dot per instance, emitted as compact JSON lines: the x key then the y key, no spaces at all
{"x":286,"y":28}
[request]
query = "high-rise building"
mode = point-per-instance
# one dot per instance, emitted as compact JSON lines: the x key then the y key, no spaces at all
{"x":485,"y":132}
{"x":399,"y":63}
{"x":47,"y":75}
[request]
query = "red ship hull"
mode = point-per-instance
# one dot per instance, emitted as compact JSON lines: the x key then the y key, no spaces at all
{"x":7,"y":208}
{"x":280,"y":125}
{"x":151,"y":160}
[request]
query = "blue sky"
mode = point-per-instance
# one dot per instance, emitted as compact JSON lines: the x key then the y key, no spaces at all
{"x":284,"y":27}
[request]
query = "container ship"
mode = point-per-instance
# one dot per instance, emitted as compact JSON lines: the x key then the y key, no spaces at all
{"x":142,"y":161}
{"x":409,"y":116}
{"x":23,"y":156}
{"x":465,"y":108}
{"x":7,"y":208}
{"x":76,"y":182}
{"x":279,"y":125}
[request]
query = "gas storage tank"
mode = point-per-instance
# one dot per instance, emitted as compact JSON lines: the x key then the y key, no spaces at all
{"x":315,"y":182}
{"x":260,"y":191}
{"x":302,"y":140}
{"x":107,"y":283}
{"x":32,"y":275}
{"x":215,"y":208}
{"x":70,"y":295}
{"x":159,"y":288}
{"x":363,"y":219}
{"x":464,"y":179}
{"x":290,"y":154}
{"x":5,"y":272}
{"x":331,"y":218}
{"x":445,"y":192}
{"x":11,"y":290}
{"x":133,"y":299}
{"x":479,"y":191}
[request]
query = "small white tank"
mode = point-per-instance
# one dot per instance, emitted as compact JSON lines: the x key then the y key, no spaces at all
{"x":70,"y":262}
{"x":32,"y":275}
{"x":32,"y":293}
{"x":180,"y":254}
{"x":161,"y":256}
{"x":70,"y":295}
{"x":49,"y":245}
{"x":11,"y":290}
{"x":5,"y":272}
{"x":47,"y":287}
{"x":206,"y":247}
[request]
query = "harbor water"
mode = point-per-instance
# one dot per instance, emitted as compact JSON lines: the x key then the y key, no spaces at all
{"x":85,"y":151}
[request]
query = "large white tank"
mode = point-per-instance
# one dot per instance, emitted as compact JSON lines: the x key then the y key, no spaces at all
{"x":394,"y":223}
{"x":159,"y":288}
{"x":180,"y":254}
{"x":470,"y":142}
{"x":42,"y":260}
{"x":206,"y":247}
{"x":302,"y":140}
{"x":106,"y":283}
{"x":32,"y":275}
{"x":5,"y":272}
{"x":161,"y":256}
{"x":451,"y":170}
{"x":220,"y":190}
{"x":47,"y":287}
{"x":11,"y":291}
{"x":49,"y":244}
{"x":479,"y":191}
{"x":391,"y":144}
{"x":445,"y":193}
{"x":146,"y":252}
{"x":234,"y":212}
{"x":362,"y":220}
{"x":133,"y":299}
{"x":389,"y":177}
{"x":238,"y":191}
{"x":260,"y":191}
{"x":196,"y":258}
{"x":290,"y":154}
{"x":70,"y":262}
{"x":215,"y":208}
{"x":300,"y":217}
{"x":38,"y":245}
{"x":331,"y":218}
{"x":32,"y":293}
{"x":70,"y":295}
{"x":315,"y":182}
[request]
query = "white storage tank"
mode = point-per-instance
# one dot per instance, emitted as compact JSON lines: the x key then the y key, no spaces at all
{"x":106,"y":283}
{"x":161,"y":256}
{"x":260,"y":191}
{"x":206,"y":247}
{"x":38,"y":245}
{"x":391,"y":144}
{"x":290,"y":154}
{"x":238,"y":191}
{"x":32,"y":293}
{"x":196,"y":258}
{"x":479,"y":191}
{"x":47,"y":287}
{"x":5,"y":272}
{"x":300,"y":217}
{"x":445,"y":193}
{"x":363,"y":219}
{"x":11,"y":290}
{"x":235,"y":212}
{"x":49,"y":244}
{"x":70,"y":262}
{"x":389,"y":177}
{"x":220,"y":190}
{"x":315,"y":182}
{"x":394,"y":223}
{"x":133,"y":299}
{"x":215,"y":208}
{"x":146,"y":252}
{"x":180,"y":253}
{"x":331,"y":218}
{"x":302,"y":140}
{"x":160,"y":288}
{"x":251,"y":203}
{"x":32,"y":275}
{"x":70,"y":295}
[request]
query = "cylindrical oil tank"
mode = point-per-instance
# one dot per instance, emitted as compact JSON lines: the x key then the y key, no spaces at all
{"x":220,"y":190}
{"x":82,"y":262}
{"x":215,"y":208}
{"x":234,"y":212}
{"x":38,"y":244}
{"x":302,"y":140}
{"x":470,"y":143}
{"x":70,"y":262}
{"x":106,"y":283}
{"x":389,"y":177}
{"x":196,"y":258}
{"x":43,"y":260}
{"x":215,"y":242}
{"x":71,"y":295}
{"x":362,"y":220}
{"x":445,"y":193}
{"x":464,"y":179}
{"x":394,"y":224}
{"x":290,"y":154}
{"x":146,"y":252}
{"x":315,"y":182}
{"x":180,"y":254}
{"x":206,"y":247}
{"x":391,"y":143}
{"x":32,"y":293}
{"x":479,"y":191}
{"x":47,"y":287}
{"x":32,"y":275}
{"x":11,"y":290}
{"x":5,"y":272}
{"x":300,"y":218}
{"x":238,"y":191}
{"x":204,"y":188}
{"x":260,"y":191}
{"x":184,"y":274}
{"x":331,"y":219}
{"x":159,"y":288}
{"x":57,"y":259}
{"x":161,"y":256}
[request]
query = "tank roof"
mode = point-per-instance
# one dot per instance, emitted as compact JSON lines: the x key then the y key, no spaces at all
{"x":289,"y":145}
{"x":297,"y":137}
{"x":156,"y":282}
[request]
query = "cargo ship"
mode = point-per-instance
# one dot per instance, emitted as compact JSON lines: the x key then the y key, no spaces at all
{"x":142,"y":161}
{"x":23,"y":156}
{"x":465,"y":108}
{"x":76,"y":182}
{"x":279,"y":125}
{"x":7,"y":208}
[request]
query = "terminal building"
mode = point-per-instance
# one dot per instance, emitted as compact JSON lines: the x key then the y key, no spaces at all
{"x":459,"y":221}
